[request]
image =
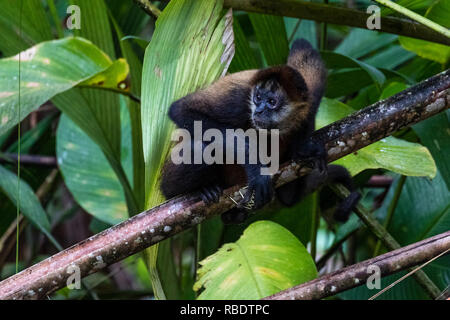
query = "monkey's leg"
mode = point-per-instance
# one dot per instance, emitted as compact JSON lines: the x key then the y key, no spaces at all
{"x":338,"y":174}
{"x":294,"y":191}
{"x":186,"y":178}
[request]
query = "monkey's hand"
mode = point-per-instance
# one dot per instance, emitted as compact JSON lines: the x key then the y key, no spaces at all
{"x":312,"y":152}
{"x":259,"y":193}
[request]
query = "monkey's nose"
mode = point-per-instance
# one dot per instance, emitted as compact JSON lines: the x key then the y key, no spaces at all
{"x":260,"y":108}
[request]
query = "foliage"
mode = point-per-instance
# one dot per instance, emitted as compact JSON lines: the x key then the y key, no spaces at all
{"x":78,"y":100}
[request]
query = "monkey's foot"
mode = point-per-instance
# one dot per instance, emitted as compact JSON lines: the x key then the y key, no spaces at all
{"x":259,"y":193}
{"x":314,"y":155}
{"x":345,"y":208}
{"x":211,"y":194}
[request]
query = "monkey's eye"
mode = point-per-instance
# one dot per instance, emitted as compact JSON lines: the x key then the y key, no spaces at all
{"x":257,"y":97}
{"x":272,"y":102}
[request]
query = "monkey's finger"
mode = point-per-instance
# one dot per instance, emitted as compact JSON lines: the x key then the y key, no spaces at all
{"x":207,"y":195}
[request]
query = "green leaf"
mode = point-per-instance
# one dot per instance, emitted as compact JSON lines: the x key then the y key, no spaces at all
{"x":439,"y":12}
{"x":97,"y":112}
{"x":265,"y":260}
{"x":244,"y":58}
{"x":434,"y":133}
{"x":28,"y":202}
{"x":411,"y":159}
{"x":271,"y":35}
{"x":360,"y":42}
{"x":335,"y":60}
{"x":191,"y":47}
{"x":87,"y":173}
{"x":113,"y":78}
{"x":135,"y":115}
{"x":47,"y":69}
{"x":306,"y":30}
{"x":35,"y":26}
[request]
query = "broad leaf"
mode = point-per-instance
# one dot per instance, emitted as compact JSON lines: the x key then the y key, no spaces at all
{"x":28,"y":202}
{"x":265,"y":260}
{"x":47,"y":69}
{"x":87,"y":173}
{"x":335,"y":60}
{"x":434,"y":133}
{"x":271,"y":35}
{"x":393,"y":154}
{"x":35,"y":26}
{"x":439,"y":13}
{"x":191,"y":47}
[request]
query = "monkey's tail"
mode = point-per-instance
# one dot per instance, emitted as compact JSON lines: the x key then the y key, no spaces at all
{"x":338,"y":174}
{"x":305,"y":59}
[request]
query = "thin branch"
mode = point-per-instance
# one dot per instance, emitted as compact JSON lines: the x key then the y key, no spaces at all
{"x":152,"y":226}
{"x":358,"y":274}
{"x":337,"y":15}
{"x":391,"y":210}
{"x":45,"y":161}
{"x":149,"y":8}
{"x":379,"y":182}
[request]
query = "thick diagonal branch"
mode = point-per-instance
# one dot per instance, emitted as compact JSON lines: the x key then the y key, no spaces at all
{"x":152,"y":226}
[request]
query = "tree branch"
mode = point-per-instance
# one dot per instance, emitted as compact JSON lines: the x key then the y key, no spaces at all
{"x":37,"y":160}
{"x":149,"y":8}
{"x":357,"y":274}
{"x":337,"y":15}
{"x":386,"y":238}
{"x":152,"y":226}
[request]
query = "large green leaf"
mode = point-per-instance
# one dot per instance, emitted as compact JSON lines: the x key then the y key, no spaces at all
{"x":47,"y":69}
{"x":306,"y":30}
{"x":265,"y":260}
{"x":34,"y":28}
{"x":191,"y":47}
{"x":135,"y":117}
{"x":335,"y":60}
{"x":244,"y":58}
{"x":411,"y":159}
{"x":434,"y":133}
{"x":87,"y":173}
{"x":360,"y":42}
{"x":271,"y":35}
{"x":28,"y":202}
{"x":440,"y":13}
{"x":188,"y":51}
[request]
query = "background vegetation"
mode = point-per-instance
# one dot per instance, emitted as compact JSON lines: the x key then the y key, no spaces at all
{"x":92,"y":152}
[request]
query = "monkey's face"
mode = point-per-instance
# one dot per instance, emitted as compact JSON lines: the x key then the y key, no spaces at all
{"x":269,"y":105}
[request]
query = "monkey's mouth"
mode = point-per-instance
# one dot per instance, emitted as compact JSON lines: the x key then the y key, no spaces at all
{"x":263,"y":123}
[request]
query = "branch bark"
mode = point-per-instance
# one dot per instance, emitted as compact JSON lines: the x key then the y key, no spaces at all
{"x":357,"y":274}
{"x":324,"y":13}
{"x":29,"y":159}
{"x":337,"y":15}
{"x":152,"y":226}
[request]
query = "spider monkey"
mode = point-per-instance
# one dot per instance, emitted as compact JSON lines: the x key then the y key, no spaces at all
{"x":284,"y":97}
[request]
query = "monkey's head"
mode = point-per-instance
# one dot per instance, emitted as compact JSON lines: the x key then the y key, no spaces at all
{"x":278,"y":99}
